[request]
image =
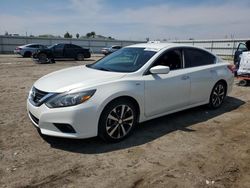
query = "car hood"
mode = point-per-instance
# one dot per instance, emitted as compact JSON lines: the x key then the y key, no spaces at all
{"x":73,"y":78}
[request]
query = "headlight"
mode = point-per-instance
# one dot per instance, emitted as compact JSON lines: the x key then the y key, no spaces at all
{"x":69,"y":99}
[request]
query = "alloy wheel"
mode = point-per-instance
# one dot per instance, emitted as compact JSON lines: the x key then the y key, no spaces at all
{"x":43,"y":58}
{"x":218,"y":95}
{"x":120,"y":121}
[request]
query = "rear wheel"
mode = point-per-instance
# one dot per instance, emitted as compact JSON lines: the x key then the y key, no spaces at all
{"x":80,"y":57}
{"x":117,"y":121}
{"x":218,"y":95}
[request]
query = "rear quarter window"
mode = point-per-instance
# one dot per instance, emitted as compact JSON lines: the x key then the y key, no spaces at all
{"x":196,"y":57}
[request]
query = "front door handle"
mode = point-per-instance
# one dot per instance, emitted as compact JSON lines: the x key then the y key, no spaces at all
{"x":185,"y":77}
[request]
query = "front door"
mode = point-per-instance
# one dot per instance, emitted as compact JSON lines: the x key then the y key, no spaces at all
{"x":167,"y":92}
{"x":58,"y":50}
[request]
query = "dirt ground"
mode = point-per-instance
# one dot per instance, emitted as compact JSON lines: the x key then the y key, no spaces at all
{"x":193,"y":148}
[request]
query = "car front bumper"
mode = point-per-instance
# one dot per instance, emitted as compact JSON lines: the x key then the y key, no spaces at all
{"x":82,"y":118}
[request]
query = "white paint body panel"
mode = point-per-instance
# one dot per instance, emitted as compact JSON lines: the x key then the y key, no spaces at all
{"x":244,"y":63}
{"x":156,"y":95}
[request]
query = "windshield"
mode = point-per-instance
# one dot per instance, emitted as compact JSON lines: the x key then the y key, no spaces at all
{"x":124,"y":60}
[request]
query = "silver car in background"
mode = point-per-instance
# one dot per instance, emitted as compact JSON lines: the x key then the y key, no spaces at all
{"x":28,"y":49}
{"x":107,"y":51}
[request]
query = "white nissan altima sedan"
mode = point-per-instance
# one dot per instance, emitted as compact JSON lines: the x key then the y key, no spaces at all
{"x":134,"y":84}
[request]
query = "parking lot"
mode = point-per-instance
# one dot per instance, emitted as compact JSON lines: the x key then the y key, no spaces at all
{"x":193,"y":148}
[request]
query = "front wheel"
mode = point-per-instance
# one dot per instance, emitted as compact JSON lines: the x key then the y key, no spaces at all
{"x":117,"y":121}
{"x":42,"y":58}
{"x":218,"y":95}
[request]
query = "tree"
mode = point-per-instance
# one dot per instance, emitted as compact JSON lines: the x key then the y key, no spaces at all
{"x":88,"y":35}
{"x":77,"y":35}
{"x":67,"y":35}
{"x":91,"y":34}
{"x":49,"y":36}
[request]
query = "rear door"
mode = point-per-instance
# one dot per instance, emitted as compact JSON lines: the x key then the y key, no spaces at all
{"x":69,"y":51}
{"x":200,"y":66}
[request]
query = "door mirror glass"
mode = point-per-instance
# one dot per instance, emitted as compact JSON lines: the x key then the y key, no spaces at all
{"x":160,"y":69}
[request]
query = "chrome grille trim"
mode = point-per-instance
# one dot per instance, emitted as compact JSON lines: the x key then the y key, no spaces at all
{"x":38,"y":97}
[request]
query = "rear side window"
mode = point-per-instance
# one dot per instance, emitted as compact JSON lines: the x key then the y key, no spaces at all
{"x":116,"y":47}
{"x":75,"y":46}
{"x":33,"y":46}
{"x":196,"y":57}
{"x":72,"y":46}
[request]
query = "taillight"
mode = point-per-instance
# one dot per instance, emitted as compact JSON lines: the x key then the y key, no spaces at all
{"x":231,"y":68}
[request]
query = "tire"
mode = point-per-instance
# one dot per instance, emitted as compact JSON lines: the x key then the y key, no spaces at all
{"x":80,"y":57}
{"x":243,"y":83}
{"x":217,"y":95}
{"x":27,"y":54}
{"x":117,"y":121}
{"x":43,"y":58}
{"x":52,"y":60}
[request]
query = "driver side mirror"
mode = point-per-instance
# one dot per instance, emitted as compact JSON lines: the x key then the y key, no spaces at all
{"x":160,"y":69}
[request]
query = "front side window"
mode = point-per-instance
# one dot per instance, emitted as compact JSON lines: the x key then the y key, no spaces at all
{"x":124,"y":60}
{"x":171,"y":58}
{"x":42,"y":47}
{"x":59,"y":47}
{"x":196,"y":57}
{"x":242,"y":47}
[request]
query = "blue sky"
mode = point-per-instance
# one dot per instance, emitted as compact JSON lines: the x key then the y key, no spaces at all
{"x":128,"y":19}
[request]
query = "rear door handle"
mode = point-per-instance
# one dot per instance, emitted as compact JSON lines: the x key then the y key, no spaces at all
{"x":185,"y":77}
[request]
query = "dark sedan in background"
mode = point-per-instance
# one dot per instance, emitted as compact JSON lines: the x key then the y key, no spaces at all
{"x":61,"y":51}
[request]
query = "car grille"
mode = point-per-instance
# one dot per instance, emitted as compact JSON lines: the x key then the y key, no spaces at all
{"x":38,"y":97}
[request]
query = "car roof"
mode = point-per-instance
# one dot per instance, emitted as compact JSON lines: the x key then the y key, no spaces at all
{"x":66,"y":43}
{"x":33,"y":44}
{"x":157,"y":46}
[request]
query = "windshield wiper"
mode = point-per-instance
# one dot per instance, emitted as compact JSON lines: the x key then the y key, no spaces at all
{"x":97,"y":68}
